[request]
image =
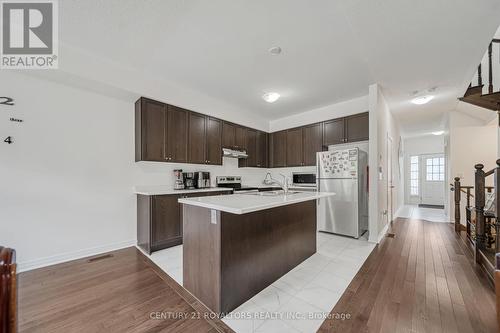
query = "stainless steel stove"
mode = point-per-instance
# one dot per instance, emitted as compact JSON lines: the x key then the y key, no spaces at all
{"x":234,"y":182}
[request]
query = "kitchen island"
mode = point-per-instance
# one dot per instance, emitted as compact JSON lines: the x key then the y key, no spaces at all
{"x":237,"y":245}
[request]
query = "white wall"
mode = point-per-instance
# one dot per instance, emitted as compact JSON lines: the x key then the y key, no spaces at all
{"x":470,"y":142}
{"x":67,"y":180}
{"x":382,"y":126}
{"x":338,"y":110}
{"x":428,"y":144}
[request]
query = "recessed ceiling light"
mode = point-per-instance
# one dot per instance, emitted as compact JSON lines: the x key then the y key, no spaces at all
{"x":422,"y":99}
{"x":275,"y":50}
{"x":438,"y":133}
{"x":271,"y":97}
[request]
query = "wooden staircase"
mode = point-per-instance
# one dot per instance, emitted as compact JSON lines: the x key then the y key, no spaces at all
{"x":475,"y":93}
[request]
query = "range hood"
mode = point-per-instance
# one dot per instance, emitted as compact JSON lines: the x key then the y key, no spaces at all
{"x":227,"y":152}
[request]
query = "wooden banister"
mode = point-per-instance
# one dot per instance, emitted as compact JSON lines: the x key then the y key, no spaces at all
{"x":490,"y":68}
{"x":8,"y":291}
{"x":479,"y":208}
{"x":497,"y":206}
{"x":497,"y":285}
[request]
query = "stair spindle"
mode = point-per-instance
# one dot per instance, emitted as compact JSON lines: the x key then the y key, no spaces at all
{"x":479,"y":76}
{"x":490,"y":68}
{"x":457,"y":193}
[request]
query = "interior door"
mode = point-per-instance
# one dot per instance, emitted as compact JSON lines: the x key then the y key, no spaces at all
{"x":432,"y":179}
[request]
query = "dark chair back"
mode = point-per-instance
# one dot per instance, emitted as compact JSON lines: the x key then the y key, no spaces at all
{"x":8,"y":291}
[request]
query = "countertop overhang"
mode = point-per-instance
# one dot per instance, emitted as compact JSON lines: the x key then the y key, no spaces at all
{"x":247,"y":203}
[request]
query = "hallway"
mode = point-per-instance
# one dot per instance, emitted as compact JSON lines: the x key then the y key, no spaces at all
{"x":422,"y":213}
{"x":422,"y":280}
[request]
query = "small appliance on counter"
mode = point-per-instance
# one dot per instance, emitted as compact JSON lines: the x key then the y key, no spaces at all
{"x":178,"y":180}
{"x":202,"y":179}
{"x":303,"y":179}
{"x":188,"y":178}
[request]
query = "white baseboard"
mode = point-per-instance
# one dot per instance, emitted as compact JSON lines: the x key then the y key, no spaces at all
{"x":68,"y":256}
{"x":382,"y":233}
{"x":398,"y":211}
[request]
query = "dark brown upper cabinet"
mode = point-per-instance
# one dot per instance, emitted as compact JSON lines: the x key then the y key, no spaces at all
{"x":214,"y":141}
{"x":333,"y":132}
{"x":176,"y":135}
{"x":251,"y":149}
{"x":357,"y":127}
{"x":171,"y":134}
{"x":241,"y":138}
{"x":256,"y":146}
{"x":196,"y":138}
{"x":312,"y":138}
{"x":161,"y":132}
{"x":149,"y":130}
{"x":234,"y":136}
{"x":294,"y":151}
{"x":228,"y":135}
{"x":262,"y":149}
{"x":205,"y":139}
{"x":277,"y":151}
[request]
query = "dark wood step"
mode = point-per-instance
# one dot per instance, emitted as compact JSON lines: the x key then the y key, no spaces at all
{"x":476,"y":90}
{"x":478,"y":100}
{"x":493,"y":97}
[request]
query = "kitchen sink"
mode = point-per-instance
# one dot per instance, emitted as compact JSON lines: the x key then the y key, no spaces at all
{"x":272,"y":193}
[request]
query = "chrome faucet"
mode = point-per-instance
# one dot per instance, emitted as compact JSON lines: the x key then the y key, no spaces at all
{"x":285,"y":183}
{"x":269,"y":180}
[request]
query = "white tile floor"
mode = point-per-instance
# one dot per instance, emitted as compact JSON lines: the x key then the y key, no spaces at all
{"x":427,"y":214}
{"x":298,"y":301}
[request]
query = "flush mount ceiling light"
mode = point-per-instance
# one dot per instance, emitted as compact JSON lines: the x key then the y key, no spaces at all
{"x":275,"y":50}
{"x":271,"y":97}
{"x":422,"y":99}
{"x":438,"y":133}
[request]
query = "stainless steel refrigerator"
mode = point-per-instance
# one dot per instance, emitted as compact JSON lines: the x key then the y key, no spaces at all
{"x":345,"y":172}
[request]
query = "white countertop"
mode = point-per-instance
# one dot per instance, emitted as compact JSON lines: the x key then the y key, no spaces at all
{"x":246,"y":203}
{"x":166,"y":189}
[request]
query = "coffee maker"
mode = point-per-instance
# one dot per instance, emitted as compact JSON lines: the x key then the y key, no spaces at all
{"x":178,"y":180}
{"x":188,"y":178}
{"x":202,"y":179}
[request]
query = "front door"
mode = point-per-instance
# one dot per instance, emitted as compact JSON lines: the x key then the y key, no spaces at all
{"x":433,"y":174}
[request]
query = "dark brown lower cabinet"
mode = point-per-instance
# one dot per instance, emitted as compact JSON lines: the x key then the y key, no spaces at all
{"x":159,"y":219}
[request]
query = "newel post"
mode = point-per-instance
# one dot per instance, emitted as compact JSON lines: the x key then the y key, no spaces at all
{"x":458,"y":191}
{"x":479,"y":207}
{"x":496,"y":185}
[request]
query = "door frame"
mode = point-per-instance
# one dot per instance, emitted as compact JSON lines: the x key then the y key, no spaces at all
{"x":390,"y":181}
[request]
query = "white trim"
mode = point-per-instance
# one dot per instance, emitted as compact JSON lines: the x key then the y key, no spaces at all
{"x":383,"y":232}
{"x":60,"y":258}
{"x":398,"y":211}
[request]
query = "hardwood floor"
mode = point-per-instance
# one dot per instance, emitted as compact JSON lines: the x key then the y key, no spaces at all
{"x":117,"y":293}
{"x":422,"y":280}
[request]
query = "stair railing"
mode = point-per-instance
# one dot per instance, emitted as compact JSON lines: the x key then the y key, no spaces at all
{"x":8,"y":291}
{"x":490,"y":68}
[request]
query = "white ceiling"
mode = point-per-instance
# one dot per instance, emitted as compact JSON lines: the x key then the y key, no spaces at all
{"x":332,"y":50}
